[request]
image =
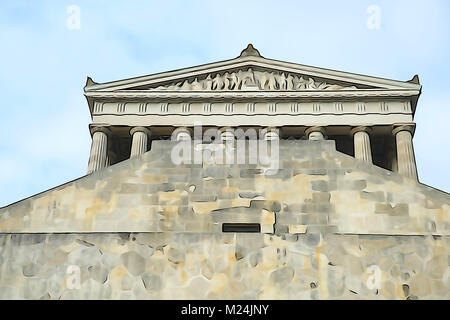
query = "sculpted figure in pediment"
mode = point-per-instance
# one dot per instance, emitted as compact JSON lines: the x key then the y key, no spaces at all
{"x":249,"y":79}
{"x":234,"y":81}
{"x":218,"y":82}
{"x":261,"y":79}
{"x":290,"y":82}
{"x":207,"y":84}
{"x":246,"y":78}
{"x":271,"y":84}
{"x":300,"y":83}
{"x":280,"y":78}
{"x":196,"y":85}
{"x":186,"y":85}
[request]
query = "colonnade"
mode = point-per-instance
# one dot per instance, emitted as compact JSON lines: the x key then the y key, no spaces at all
{"x":361,"y":136}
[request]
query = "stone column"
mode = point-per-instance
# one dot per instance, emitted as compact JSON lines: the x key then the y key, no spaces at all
{"x":181,"y":133}
{"x":139,"y":144}
{"x":226,"y":135}
{"x":99,"y":148}
{"x":225,"y":152}
{"x":315,"y":133}
{"x":361,"y":139}
{"x":406,"y":161}
{"x":271,"y":133}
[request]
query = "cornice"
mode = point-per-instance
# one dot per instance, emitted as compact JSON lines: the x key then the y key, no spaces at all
{"x":233,"y":95}
{"x":252,"y":61}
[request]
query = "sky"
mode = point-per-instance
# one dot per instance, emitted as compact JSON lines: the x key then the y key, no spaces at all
{"x":48,"y":48}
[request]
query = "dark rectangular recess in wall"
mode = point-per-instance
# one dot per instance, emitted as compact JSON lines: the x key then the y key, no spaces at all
{"x":241,"y":227}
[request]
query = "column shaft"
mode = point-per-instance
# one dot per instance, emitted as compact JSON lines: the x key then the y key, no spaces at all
{"x":362,"y":146}
{"x":98,"y":156}
{"x":405,"y":154}
{"x":139,"y":143}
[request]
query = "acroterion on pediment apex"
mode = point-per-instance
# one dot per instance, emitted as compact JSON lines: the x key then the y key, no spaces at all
{"x":250,"y":51}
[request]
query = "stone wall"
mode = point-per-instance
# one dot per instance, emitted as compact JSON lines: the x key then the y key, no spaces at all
{"x":224,"y":266}
{"x":147,"y":228}
{"x":315,"y":188}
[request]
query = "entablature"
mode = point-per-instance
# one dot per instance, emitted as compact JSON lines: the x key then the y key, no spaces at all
{"x":255,"y":91}
{"x":264,"y":113}
{"x":274,"y":107}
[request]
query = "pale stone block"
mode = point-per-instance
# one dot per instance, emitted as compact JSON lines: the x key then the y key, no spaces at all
{"x":297,"y":229}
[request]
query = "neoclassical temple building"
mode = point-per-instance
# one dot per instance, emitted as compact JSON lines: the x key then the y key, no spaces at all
{"x":337,"y":212}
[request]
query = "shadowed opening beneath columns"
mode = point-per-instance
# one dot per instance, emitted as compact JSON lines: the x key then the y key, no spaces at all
{"x":241,"y":227}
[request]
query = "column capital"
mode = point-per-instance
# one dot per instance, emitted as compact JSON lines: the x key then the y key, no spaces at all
{"x":270,"y":129}
{"x":105,"y":129}
{"x":397,"y":127}
{"x":368,"y":130}
{"x":180,"y":133}
{"x":141,"y":129}
{"x":315,"y":129}
{"x":227,"y":133}
{"x":182,"y":129}
{"x":270,"y":133}
{"x":225,"y":129}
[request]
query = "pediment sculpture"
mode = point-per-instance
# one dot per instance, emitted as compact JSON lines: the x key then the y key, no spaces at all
{"x":250,"y":79}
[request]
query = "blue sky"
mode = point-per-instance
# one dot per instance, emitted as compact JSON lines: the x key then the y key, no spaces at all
{"x":44,"y":138}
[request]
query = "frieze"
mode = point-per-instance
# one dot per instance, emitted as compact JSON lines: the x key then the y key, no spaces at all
{"x":255,"y":108}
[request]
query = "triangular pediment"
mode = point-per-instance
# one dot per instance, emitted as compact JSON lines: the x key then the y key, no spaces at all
{"x":252,"y":72}
{"x":249,"y":78}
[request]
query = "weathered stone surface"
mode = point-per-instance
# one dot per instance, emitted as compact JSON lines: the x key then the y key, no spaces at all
{"x":133,"y":262}
{"x":437,"y":266}
{"x":282,"y":276}
{"x":142,"y":232}
{"x":310,"y":266}
{"x":358,"y":198}
{"x":98,"y":273}
{"x":176,"y":255}
{"x":152,"y":282}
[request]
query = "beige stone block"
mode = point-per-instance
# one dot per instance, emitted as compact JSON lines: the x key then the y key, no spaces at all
{"x":207,"y":269}
{"x":118,"y":273}
{"x":272,"y":293}
{"x":240,"y":202}
{"x":267,"y":228}
{"x":218,"y":282}
{"x":254,"y":279}
{"x":436,"y":267}
{"x":387,"y":290}
{"x":438,"y":288}
{"x":269,"y":258}
{"x":297,"y":229}
{"x":204,"y":207}
{"x":420,"y":286}
{"x":198,"y":288}
{"x":154,"y":179}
